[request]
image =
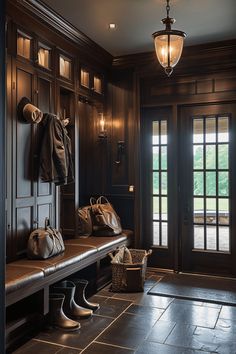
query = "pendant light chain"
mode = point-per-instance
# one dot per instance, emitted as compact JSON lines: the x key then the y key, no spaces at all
{"x":167,"y":7}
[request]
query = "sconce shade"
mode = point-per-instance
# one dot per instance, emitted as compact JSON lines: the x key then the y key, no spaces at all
{"x":168,"y":46}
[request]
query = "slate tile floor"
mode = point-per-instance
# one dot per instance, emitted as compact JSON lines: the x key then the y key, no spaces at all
{"x":144,"y":324}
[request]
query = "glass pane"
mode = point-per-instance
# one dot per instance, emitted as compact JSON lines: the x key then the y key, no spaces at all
{"x":211,"y":183}
{"x":210,"y":130}
{"x":223,"y":183}
{"x":155,"y":132}
{"x":211,"y":210}
{"x":198,"y":183}
{"x":211,"y":237}
{"x":156,"y":234}
{"x":198,"y":130}
{"x":164,"y":208}
{"x":223,"y":129}
{"x":210,"y":156}
{"x":198,"y":208}
{"x":198,"y":157}
{"x":223,"y":156}
{"x":155,"y":182}
{"x":164,"y":183}
{"x":224,"y":238}
{"x":155,"y":157}
{"x":164,"y":234}
{"x":163,"y":132}
{"x":164,"y":157}
{"x":198,"y":237}
{"x":156,"y":208}
{"x":223,"y":211}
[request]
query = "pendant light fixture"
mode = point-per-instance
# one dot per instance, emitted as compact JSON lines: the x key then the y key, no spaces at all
{"x":168,"y":43}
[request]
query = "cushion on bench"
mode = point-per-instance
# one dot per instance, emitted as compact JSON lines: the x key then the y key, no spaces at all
{"x":19,"y":277}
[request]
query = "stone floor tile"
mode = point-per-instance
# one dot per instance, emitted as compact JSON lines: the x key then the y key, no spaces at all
{"x":127,"y":331}
{"x":191,"y":314}
{"x":34,"y":346}
{"x":90,"y":329}
{"x":228,"y":312}
{"x":160,"y":331}
{"x":146,"y":311}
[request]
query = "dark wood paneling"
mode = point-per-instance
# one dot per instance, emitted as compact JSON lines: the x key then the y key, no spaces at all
{"x":23,"y":227}
{"x":2,"y":174}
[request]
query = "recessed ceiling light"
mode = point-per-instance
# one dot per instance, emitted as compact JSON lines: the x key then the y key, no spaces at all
{"x":112,"y":26}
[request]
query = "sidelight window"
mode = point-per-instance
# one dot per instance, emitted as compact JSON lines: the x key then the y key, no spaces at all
{"x":159,"y":183}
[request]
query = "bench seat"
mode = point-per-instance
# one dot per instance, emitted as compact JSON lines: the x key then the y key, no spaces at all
{"x":24,"y":277}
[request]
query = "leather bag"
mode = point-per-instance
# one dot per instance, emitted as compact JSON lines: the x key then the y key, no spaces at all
{"x":105,"y":220}
{"x":85,"y":225}
{"x":45,"y":242}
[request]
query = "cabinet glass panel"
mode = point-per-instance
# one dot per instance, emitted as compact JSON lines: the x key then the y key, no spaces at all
{"x":65,"y":67}
{"x":84,"y":78}
{"x":24,"y":44}
{"x":97,"y":84}
{"x":44,"y":56}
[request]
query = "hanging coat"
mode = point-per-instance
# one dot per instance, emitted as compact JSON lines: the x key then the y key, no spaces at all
{"x":55,"y":158}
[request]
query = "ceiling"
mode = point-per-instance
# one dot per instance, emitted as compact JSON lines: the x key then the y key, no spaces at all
{"x":203,"y":21}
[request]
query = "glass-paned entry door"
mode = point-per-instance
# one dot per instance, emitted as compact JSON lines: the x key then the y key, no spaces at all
{"x":211,"y":192}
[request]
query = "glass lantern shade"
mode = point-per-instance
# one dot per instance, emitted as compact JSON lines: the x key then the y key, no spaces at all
{"x":168,"y":46}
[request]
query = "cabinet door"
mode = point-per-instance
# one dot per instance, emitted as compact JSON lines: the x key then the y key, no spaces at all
{"x":22,"y":161}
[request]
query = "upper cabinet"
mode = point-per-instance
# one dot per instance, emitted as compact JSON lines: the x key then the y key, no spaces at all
{"x":91,"y":81}
{"x":24,"y":45}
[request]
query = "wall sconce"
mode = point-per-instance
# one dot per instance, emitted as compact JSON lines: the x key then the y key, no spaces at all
{"x":102,"y":125}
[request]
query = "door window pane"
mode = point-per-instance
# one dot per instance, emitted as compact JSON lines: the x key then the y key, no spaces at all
{"x":211,"y":210}
{"x":156,"y":208}
{"x":211,"y":237}
{"x":164,"y":233}
{"x":164,"y":208}
{"x":223,"y":184}
{"x":223,"y":156}
{"x":155,"y":157}
{"x":198,"y":130}
{"x":223,"y":129}
{"x":198,"y":183}
{"x":198,"y":210}
{"x":164,"y":183}
{"x":155,"y":182}
{"x":163,"y":132}
{"x":156,"y":233}
{"x":163,"y":157}
{"x":211,"y":183}
{"x":224,"y":211}
{"x":199,"y":237}
{"x":224,"y":238}
{"x":155,"y":133}
{"x":210,"y":135}
{"x":198,"y":157}
{"x":210,"y":157}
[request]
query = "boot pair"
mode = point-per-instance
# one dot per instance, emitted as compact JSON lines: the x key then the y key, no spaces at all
{"x":67,"y":299}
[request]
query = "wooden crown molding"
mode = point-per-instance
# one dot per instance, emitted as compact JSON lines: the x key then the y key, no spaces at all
{"x":48,"y":16}
{"x":205,"y":57}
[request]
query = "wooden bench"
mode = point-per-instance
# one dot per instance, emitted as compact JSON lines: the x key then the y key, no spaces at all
{"x":26,"y":277}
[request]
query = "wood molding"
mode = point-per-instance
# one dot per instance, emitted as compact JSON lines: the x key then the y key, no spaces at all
{"x":204,"y":58}
{"x":49,"y":17}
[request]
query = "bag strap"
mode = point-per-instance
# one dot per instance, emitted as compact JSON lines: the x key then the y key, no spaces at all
{"x":99,"y":200}
{"x":92,"y":201}
{"x":46,"y":223}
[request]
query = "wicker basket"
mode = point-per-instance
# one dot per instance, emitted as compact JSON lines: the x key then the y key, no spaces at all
{"x":130,"y":277}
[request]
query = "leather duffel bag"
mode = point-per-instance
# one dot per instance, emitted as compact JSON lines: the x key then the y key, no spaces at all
{"x":45,"y":242}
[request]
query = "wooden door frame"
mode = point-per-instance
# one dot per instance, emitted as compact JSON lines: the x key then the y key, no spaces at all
{"x":161,"y":257}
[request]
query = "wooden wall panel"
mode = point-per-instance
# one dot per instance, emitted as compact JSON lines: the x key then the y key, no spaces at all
{"x":23,"y":227}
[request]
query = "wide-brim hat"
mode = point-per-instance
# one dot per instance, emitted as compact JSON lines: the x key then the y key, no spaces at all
{"x":27,"y":112}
